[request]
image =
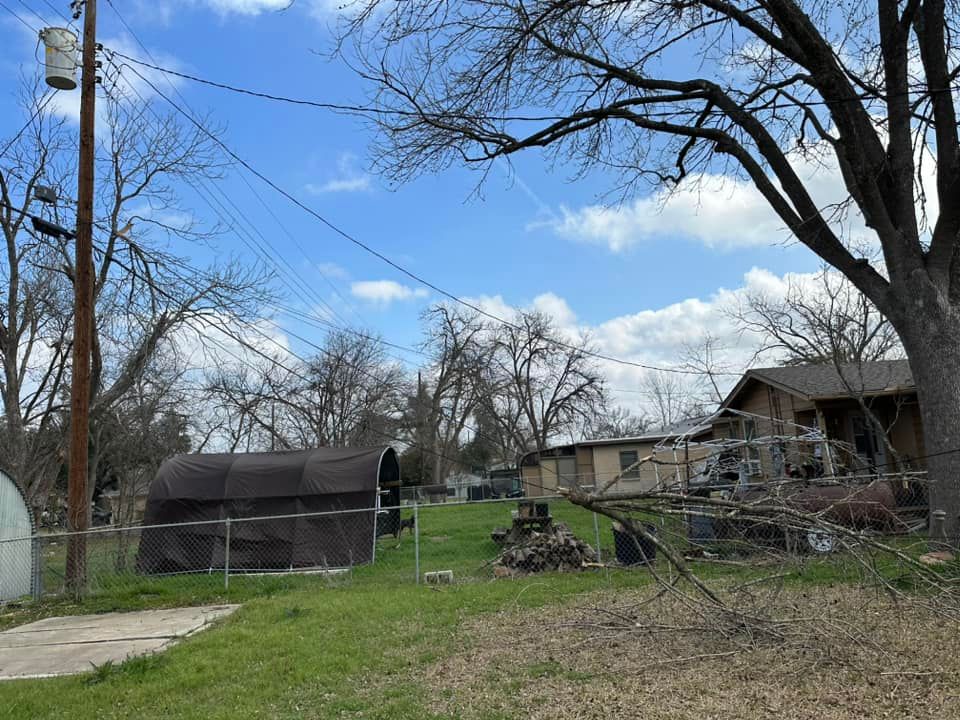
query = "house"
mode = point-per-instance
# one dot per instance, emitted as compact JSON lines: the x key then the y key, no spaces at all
{"x":791,"y":400}
{"x":595,"y":462}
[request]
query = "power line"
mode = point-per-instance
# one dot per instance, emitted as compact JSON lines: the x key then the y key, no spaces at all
{"x":22,"y":21}
{"x":69,"y":21}
{"x":370,"y":250}
{"x":259,"y":248}
{"x":37,"y":15}
{"x":349,"y":237}
{"x":262,"y":247}
{"x":260,"y":199}
{"x":344,"y":234}
{"x":41,"y":105}
{"x":358,"y":109}
{"x":366,"y":110}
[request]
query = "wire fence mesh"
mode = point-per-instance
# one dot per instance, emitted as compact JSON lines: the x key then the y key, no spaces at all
{"x":441,"y":543}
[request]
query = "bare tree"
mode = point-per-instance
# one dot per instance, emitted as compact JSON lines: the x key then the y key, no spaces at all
{"x":145,"y":428}
{"x":541,"y":385}
{"x":866,"y":90}
{"x":352,"y":395}
{"x":706,"y":359}
{"x":453,"y":390}
{"x":242,"y":399}
{"x":348,"y":394}
{"x":144,"y":295}
{"x":619,"y":422}
{"x":827,"y":320}
{"x":671,"y":398}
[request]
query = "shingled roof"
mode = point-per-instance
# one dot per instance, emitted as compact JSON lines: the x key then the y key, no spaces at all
{"x":822,"y":382}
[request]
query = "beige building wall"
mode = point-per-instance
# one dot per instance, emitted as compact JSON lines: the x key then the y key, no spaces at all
{"x":532,"y":484}
{"x":606,"y":463}
{"x":606,"y":460}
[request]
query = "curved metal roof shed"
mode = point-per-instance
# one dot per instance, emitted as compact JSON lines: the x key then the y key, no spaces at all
{"x":16,"y":545}
{"x":192,"y":496}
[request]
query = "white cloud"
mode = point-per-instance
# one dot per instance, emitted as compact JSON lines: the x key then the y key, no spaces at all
{"x":348,"y":178}
{"x":657,"y":337}
{"x":332,"y":270}
{"x":384,"y":292}
{"x":720,"y":212}
{"x":355,"y":184}
{"x":556,"y":307}
{"x":725,"y":212}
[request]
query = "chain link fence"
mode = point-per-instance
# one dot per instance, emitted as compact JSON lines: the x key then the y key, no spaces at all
{"x":435,"y":543}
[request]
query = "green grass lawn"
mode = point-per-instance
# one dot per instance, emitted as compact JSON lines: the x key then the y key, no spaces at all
{"x":314,"y":652}
{"x":315,"y":647}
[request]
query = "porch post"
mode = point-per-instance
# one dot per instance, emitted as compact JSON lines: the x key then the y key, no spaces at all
{"x":827,"y":459}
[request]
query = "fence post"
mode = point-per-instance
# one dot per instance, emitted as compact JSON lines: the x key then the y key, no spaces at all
{"x":416,"y":541}
{"x":226,"y":559}
{"x":36,"y":586}
{"x":596,"y":532}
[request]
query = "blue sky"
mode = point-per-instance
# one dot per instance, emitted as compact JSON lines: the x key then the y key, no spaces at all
{"x":642,"y":280}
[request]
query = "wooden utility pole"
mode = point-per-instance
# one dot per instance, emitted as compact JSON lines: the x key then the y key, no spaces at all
{"x":78,"y":507}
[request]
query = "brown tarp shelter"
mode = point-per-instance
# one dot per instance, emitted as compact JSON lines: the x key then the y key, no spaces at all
{"x":192,"y":496}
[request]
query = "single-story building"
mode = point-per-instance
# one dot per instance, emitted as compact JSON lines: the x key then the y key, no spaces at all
{"x":783,"y":401}
{"x":591,"y":463}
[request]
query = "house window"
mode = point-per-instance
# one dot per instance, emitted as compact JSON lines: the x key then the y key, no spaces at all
{"x":628,"y":458}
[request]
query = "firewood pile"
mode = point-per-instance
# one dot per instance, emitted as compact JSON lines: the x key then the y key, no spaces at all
{"x":556,"y":549}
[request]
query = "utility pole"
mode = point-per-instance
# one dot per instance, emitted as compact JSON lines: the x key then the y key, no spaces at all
{"x":78,"y":506}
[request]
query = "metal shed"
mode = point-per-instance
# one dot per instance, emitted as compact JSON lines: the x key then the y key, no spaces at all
{"x":17,"y":551}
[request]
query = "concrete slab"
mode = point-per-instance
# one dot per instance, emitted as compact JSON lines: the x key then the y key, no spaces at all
{"x":70,"y":645}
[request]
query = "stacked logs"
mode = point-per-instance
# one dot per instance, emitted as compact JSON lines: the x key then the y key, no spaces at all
{"x":556,"y":549}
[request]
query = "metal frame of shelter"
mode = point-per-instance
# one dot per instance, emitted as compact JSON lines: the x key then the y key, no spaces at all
{"x":19,"y":543}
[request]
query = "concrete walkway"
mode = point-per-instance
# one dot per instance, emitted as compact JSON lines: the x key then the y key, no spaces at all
{"x":70,"y":645}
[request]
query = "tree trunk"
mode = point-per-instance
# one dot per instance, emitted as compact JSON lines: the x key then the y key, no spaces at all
{"x":934,"y":353}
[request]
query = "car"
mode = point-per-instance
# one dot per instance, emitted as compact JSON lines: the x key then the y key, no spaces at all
{"x":861,"y":506}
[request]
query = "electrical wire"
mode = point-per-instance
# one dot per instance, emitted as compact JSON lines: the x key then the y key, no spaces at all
{"x":68,"y":20}
{"x":22,"y":21}
{"x":226,"y":149}
{"x":358,"y":109}
{"x":41,"y":105}
{"x":364,"y":110}
{"x":43,"y":20}
{"x":236,"y":218}
{"x":357,"y":242}
{"x":370,"y":250}
{"x":260,"y":199}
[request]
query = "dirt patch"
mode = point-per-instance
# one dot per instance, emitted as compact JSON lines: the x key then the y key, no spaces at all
{"x":865,"y":659}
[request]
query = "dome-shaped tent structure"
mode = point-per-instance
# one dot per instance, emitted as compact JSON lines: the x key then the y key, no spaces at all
{"x":17,"y":559}
{"x":312,"y":485}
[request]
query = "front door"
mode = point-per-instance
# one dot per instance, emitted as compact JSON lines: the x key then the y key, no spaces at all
{"x":867,"y":442}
